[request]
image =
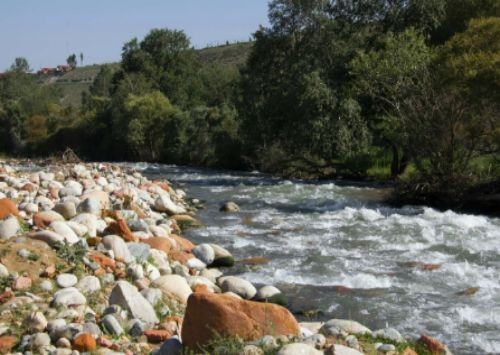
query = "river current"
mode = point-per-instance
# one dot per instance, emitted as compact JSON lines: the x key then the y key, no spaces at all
{"x":336,"y":249}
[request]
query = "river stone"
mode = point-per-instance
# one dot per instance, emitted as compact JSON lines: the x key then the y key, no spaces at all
{"x":173,"y":285}
{"x":299,"y":349}
{"x":9,"y":227}
{"x":344,"y":350}
{"x":66,"y":209}
{"x":89,"y":221}
{"x":69,"y":297}
{"x":127,"y":296}
{"x":390,"y":334}
{"x":135,"y":271}
{"x":239,"y":286}
{"x":65,"y":231}
{"x":46,"y":285}
{"x":318,"y":341}
{"x":49,"y":237}
{"x":89,"y":284}
{"x":267,"y":292}
{"x":163,"y":203}
{"x":66,"y":280}
{"x":138,"y":225}
{"x":222,"y":257}
{"x":40,"y":341}
{"x":119,"y":247}
{"x":344,"y":325}
{"x":205,"y":253}
{"x":172,"y":346}
{"x":230,"y":207}
{"x":90,"y":205}
{"x":140,"y":251}
{"x":136,"y":327}
{"x":195,"y":263}
{"x":36,"y":322}
{"x":385,"y":348}
{"x":4,"y":272}
{"x":92,"y":328}
{"x":112,"y":325}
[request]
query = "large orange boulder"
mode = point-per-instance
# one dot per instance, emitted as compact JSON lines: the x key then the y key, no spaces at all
{"x":182,"y":243}
{"x":159,"y":243}
{"x":209,"y":315}
{"x":8,"y":207}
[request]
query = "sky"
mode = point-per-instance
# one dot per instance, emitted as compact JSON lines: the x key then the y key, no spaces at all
{"x":45,"y":32}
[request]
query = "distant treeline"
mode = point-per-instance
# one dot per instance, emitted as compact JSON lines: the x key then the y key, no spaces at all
{"x":407,"y":90}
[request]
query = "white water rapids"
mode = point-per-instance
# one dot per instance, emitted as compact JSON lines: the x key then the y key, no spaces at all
{"x":322,"y":235}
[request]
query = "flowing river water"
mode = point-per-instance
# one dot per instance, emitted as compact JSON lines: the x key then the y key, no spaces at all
{"x":407,"y":268}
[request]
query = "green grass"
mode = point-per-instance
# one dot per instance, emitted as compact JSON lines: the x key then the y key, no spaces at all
{"x":233,"y":55}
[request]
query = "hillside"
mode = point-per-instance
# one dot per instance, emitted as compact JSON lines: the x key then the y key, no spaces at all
{"x":73,"y":83}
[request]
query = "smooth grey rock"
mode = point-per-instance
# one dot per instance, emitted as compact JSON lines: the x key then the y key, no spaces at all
{"x":352,"y":342}
{"x":112,"y":325}
{"x":24,"y":253}
{"x":127,"y":296}
{"x":135,"y":271}
{"x":140,"y":251}
{"x":89,"y":221}
{"x":299,"y":349}
{"x":9,"y":227}
{"x":138,"y":225}
{"x":173,"y":285}
{"x":205,"y":253}
{"x":69,"y":297}
{"x":89,"y":284}
{"x":195,"y":263}
{"x":344,"y":350}
{"x":239,"y":286}
{"x":119,"y":248}
{"x":49,"y":237}
{"x":66,"y":280}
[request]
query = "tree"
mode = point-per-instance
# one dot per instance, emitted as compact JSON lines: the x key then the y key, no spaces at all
{"x":20,"y":65}
{"x":148,"y":115}
{"x":384,"y":77}
{"x":71,"y":60}
{"x":81,"y":59}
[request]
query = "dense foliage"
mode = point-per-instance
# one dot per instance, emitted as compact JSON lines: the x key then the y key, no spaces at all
{"x":402,"y":89}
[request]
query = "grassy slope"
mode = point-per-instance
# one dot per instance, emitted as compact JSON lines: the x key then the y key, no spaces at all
{"x":75,"y":82}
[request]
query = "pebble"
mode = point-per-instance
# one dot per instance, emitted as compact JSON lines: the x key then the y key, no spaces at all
{"x":66,"y":280}
{"x":112,"y":325}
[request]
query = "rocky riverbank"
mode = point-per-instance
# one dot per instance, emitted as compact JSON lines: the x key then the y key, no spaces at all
{"x":93,"y":261}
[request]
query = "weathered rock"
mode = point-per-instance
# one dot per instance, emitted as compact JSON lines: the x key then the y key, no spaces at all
{"x":140,"y":251}
{"x":89,"y":284}
{"x":66,"y":280}
{"x":230,"y":207}
{"x":9,"y":227}
{"x":157,"y":336}
{"x":209,"y":314}
{"x":49,"y":237}
{"x":163,"y":203}
{"x":40,"y":341}
{"x":390,"y":334}
{"x":4,"y":272}
{"x":89,"y":221}
{"x":174,"y":285}
{"x":119,"y":247}
{"x":7,"y":342}
{"x":299,"y":349}
{"x":69,"y":297}
{"x":318,"y":341}
{"x":344,"y":350}
{"x":84,"y":342}
{"x":127,"y":296}
{"x":222,"y":258}
{"x":239,"y":286}
{"x":64,"y":231}
{"x":267,"y":292}
{"x":171,"y":346}
{"x":45,"y":218}
{"x":348,"y":326}
{"x":162,"y":244}
{"x":22,"y":283}
{"x":66,"y":209}
{"x":112,"y":325}
{"x":8,"y":208}
{"x":205,"y":253}
{"x":385,"y":348}
{"x":36,"y":322}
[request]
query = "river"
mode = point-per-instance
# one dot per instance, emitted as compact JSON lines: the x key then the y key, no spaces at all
{"x":400,"y":267}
